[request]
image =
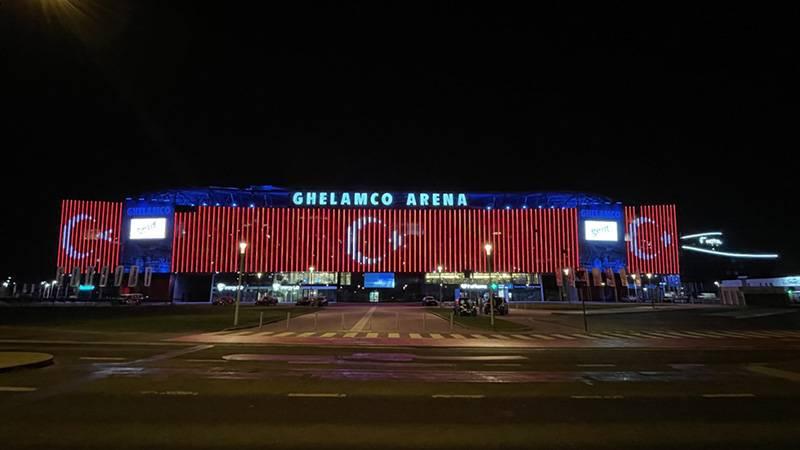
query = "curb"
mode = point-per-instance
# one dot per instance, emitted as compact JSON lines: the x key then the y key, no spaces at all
{"x":26,"y":360}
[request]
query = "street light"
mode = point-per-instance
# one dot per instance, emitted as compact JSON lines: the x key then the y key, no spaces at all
{"x":439,"y":269}
{"x":489,"y":261}
{"x":242,"y":248}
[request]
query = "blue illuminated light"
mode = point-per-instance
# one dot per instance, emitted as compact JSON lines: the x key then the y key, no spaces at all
{"x":234,"y":204}
{"x":508,"y":207}
{"x":731,"y":255}
{"x":85,"y":287}
{"x":252,"y":205}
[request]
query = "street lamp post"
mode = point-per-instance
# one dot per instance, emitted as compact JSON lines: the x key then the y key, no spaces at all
{"x":490,"y":268}
{"x":242,"y":248}
{"x":650,"y":294}
{"x":310,"y":278}
{"x":635,"y":289}
{"x":439,"y":269}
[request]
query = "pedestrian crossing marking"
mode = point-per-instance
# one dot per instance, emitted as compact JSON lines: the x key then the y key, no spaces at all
{"x":437,"y":336}
{"x":681,"y":334}
{"x":284,"y":334}
{"x":520,"y":336}
{"x":415,"y":335}
{"x":606,"y":335}
{"x":583,"y":336}
{"x":306,"y":334}
{"x":499,"y":336}
{"x":653,"y":333}
{"x":328,"y":335}
{"x":564,"y":336}
{"x":478,"y":336}
{"x":542,"y":336}
{"x":458,"y":336}
{"x":394,"y":335}
{"x":263,"y":333}
{"x":372,"y":335}
{"x":350,"y":335}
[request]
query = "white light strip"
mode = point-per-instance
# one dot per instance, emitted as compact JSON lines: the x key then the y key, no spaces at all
{"x":732,"y":255}
{"x":710,"y":233}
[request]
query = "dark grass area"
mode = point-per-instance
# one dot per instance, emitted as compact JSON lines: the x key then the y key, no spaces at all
{"x":480,"y":322}
{"x":157,"y":319}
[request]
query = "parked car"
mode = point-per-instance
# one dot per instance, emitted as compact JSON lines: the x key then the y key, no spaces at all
{"x":465,"y":307}
{"x":314,"y":301}
{"x":429,"y":300}
{"x":131,"y":299}
{"x":267,"y":300}
{"x":223,"y":300}
{"x":500,"y":307}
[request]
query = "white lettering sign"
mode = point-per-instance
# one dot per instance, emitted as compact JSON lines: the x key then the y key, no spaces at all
{"x":597,"y":230}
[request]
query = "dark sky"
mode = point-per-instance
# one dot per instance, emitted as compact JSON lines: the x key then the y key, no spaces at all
{"x":687,"y":106}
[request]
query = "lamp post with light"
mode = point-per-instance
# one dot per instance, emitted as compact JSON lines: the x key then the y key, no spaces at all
{"x":242,"y":248}
{"x":439,"y":269}
{"x":635,"y":289}
{"x":310,"y":278}
{"x":649,"y":293}
{"x":490,"y":268}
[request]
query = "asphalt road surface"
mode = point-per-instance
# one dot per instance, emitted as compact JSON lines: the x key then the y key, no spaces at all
{"x":167,"y":395}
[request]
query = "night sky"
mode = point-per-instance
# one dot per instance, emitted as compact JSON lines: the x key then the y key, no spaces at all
{"x":108,"y":99}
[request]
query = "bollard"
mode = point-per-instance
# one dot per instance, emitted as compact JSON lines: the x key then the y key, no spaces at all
{"x":288,"y":318}
{"x":451,"y":321}
{"x":261,"y":320}
{"x":315,"y":321}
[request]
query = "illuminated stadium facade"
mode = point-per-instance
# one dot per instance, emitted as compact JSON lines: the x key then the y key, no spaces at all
{"x":361,"y":245}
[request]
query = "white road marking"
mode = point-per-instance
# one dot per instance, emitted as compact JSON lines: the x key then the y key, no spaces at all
{"x":457,"y":336}
{"x":101,"y":358}
{"x":306,"y":334}
{"x":415,"y":335}
{"x":499,"y":336}
{"x":437,"y":336}
{"x":520,"y":336}
{"x":328,"y":335}
{"x":394,"y":335}
{"x":583,"y":336}
{"x":350,"y":335}
{"x":478,"y":336}
{"x":372,"y":335}
{"x":733,"y":395}
{"x":316,"y":395}
{"x":542,"y":336}
{"x":564,"y":336}
{"x":285,"y":334}
{"x":598,"y":397}
{"x":170,"y":393}
{"x":17,"y":389}
{"x":596,"y":365}
{"x":362,"y":322}
{"x":458,"y":396}
{"x":777,"y":373}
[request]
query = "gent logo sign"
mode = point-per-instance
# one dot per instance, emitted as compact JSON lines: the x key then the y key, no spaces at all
{"x":429,"y":199}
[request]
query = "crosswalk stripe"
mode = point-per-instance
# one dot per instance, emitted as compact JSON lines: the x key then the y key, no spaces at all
{"x":306,"y":334}
{"x":713,"y":334}
{"x":653,"y":333}
{"x":629,"y":335}
{"x":328,"y":335}
{"x":542,"y":336}
{"x":264,"y":333}
{"x":394,"y":335}
{"x":732,"y":334}
{"x":583,"y":336}
{"x":457,"y":336}
{"x":774,"y":333}
{"x":372,"y":335}
{"x":759,"y":334}
{"x":415,"y":335}
{"x":478,"y":336}
{"x":681,"y":334}
{"x":437,"y":336}
{"x":499,"y":336}
{"x":351,"y":335}
{"x":284,"y":334}
{"x":607,"y":335}
{"x":519,"y":336}
{"x":563,"y":336}
{"x":637,"y":334}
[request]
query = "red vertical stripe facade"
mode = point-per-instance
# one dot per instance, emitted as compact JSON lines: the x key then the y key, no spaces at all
{"x":651,"y":233}
{"x":89,"y":234}
{"x":408,"y":240}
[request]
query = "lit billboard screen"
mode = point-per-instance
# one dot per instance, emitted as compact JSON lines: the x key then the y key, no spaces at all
{"x":148,"y":228}
{"x":379,"y":280}
{"x":601,"y":230}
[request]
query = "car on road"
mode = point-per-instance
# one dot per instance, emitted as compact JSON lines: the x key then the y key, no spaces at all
{"x":465,"y":307}
{"x":429,"y":300}
{"x":500,"y":307}
{"x":131,"y":299}
{"x":224,"y":300}
{"x":314,"y":301}
{"x":266,"y":300}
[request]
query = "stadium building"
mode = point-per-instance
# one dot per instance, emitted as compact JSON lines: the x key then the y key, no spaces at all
{"x":359,"y":245}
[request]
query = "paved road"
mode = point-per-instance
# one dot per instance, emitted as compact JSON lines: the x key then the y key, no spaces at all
{"x":165,"y":395}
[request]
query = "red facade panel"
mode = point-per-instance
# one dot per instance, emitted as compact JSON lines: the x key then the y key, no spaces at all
{"x":89,"y":234}
{"x":652,"y":239}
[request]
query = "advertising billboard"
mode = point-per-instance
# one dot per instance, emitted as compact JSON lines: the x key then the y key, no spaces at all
{"x":379,"y":280}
